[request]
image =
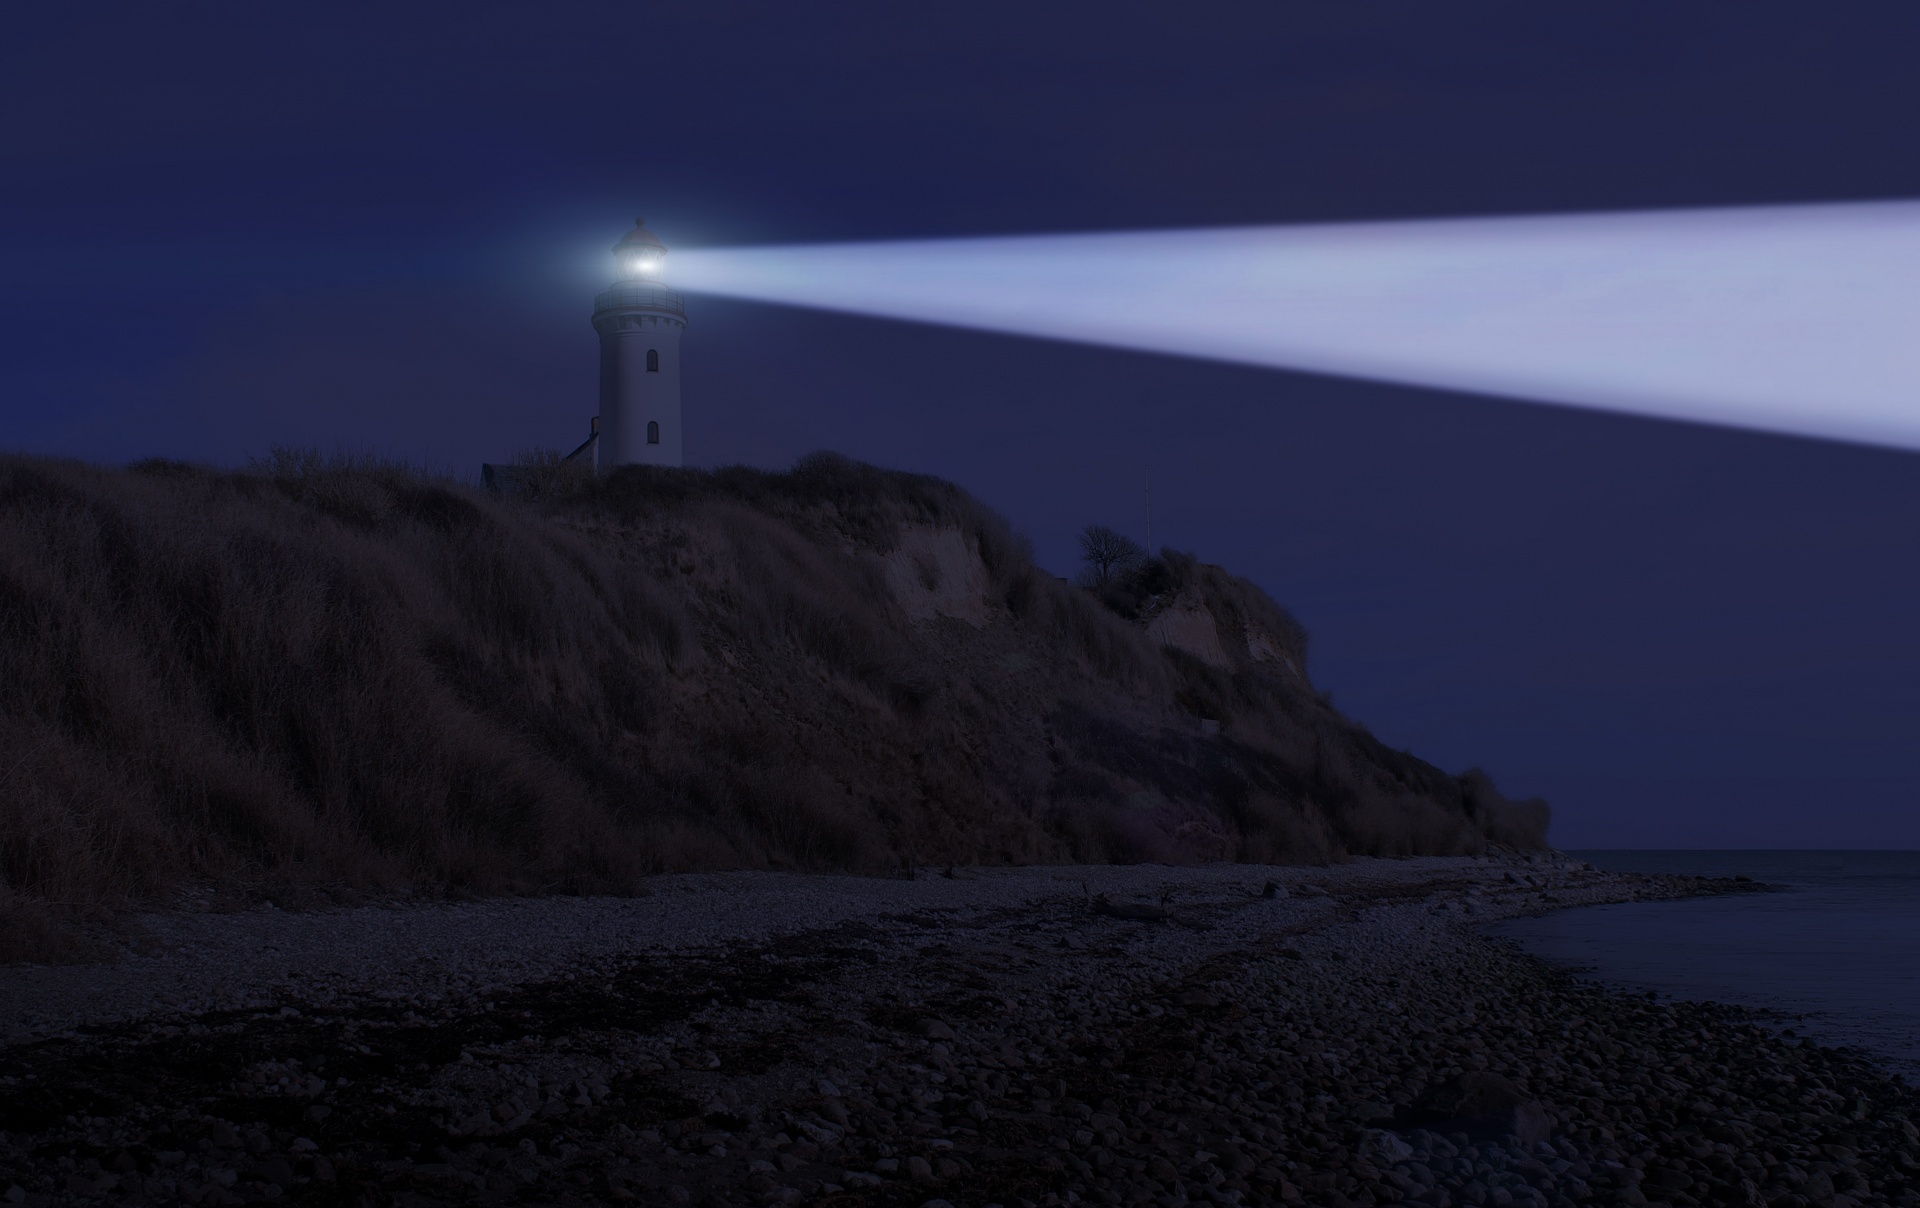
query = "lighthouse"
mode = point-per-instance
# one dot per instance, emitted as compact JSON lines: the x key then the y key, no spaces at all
{"x":639,"y":320}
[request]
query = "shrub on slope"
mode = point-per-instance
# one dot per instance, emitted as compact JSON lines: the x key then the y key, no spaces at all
{"x":314,"y":675}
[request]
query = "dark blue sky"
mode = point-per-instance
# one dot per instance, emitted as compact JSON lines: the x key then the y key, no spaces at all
{"x":226,"y":227}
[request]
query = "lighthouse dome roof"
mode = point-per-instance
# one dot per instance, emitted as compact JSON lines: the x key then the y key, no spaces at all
{"x":639,"y":236}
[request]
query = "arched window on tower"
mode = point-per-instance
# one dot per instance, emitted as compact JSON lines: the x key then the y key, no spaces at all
{"x":653,"y":360}
{"x":653,"y":431}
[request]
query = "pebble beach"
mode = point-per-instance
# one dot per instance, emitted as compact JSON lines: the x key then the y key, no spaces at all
{"x":1227,"y":1034}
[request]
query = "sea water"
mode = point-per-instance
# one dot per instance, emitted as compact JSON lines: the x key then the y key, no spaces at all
{"x":1838,"y":946}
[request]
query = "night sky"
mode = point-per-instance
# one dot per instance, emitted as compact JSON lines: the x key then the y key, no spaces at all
{"x":224,"y":228}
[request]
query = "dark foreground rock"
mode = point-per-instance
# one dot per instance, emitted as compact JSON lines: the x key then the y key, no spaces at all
{"x":1484,"y":1106}
{"x":1242,"y":1049}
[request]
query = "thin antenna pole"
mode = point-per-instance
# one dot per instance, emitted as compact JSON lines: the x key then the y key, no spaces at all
{"x":1149,"y":478}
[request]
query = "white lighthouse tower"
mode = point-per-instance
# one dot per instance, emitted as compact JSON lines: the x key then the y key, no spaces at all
{"x":639,"y":320}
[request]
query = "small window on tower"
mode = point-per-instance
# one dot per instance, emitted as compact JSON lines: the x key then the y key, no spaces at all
{"x":653,"y":425}
{"x":653,"y":360}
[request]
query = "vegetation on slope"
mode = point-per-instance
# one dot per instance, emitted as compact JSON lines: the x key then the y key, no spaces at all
{"x":316,"y":677}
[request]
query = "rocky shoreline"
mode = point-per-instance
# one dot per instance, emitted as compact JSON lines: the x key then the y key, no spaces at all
{"x":1144,"y":1035}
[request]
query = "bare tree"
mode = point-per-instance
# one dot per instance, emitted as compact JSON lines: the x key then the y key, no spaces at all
{"x":1107,"y":552}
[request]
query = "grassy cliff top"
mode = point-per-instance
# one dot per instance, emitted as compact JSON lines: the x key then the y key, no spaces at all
{"x":320,"y":677}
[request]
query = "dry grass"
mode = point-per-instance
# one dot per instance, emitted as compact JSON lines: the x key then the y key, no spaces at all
{"x":319,"y":675}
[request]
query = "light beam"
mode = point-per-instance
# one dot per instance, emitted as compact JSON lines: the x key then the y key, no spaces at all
{"x":1791,"y":319}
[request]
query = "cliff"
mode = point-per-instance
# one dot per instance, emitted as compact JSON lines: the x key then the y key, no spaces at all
{"x":314,"y":679}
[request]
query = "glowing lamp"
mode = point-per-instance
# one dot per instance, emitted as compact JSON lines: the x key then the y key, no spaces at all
{"x":639,"y":254}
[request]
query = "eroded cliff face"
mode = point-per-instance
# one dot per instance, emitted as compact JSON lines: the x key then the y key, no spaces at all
{"x":336,"y":674}
{"x":938,"y":572}
{"x":1187,"y":624}
{"x":1208,"y":613}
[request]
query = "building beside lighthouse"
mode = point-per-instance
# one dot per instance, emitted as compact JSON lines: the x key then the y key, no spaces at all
{"x":639,"y":321}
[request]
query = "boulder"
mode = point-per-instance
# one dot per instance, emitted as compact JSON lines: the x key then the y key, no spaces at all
{"x":1482,"y":1105}
{"x":1133,"y":911}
